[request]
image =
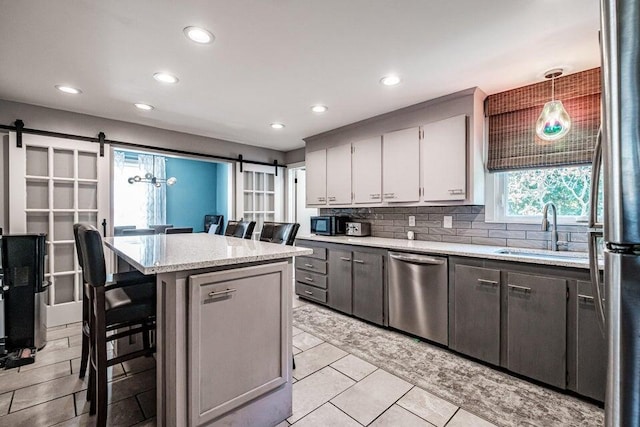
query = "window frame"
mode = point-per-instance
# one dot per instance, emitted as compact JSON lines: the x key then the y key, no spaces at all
{"x":496,"y":204}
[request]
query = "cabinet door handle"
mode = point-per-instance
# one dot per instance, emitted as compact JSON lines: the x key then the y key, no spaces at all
{"x":308,"y":292}
{"x":585,"y":297}
{"x":345,"y":259}
{"x":331,"y":199}
{"x":309,"y":265}
{"x":223,"y":292}
{"x":456,"y":191}
{"x":359,"y":261}
{"x":519,"y":288}
{"x":488,"y":282}
{"x":308,"y":279}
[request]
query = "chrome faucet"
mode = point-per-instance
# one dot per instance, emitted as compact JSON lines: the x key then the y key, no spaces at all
{"x":554,"y":227}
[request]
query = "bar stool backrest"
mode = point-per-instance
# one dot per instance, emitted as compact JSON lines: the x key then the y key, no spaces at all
{"x":179,"y":230}
{"x":92,"y":251}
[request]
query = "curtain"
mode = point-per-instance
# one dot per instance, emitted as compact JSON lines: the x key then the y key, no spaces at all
{"x":513,"y":143}
{"x":155,"y":197}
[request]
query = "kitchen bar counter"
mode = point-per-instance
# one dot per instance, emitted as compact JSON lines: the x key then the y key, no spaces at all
{"x":165,"y":253}
{"x":533,"y":256}
{"x":223,"y":326}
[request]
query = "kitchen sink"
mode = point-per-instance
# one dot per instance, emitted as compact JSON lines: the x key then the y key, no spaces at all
{"x":533,"y":253}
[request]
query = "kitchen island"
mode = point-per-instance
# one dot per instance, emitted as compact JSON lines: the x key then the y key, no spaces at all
{"x":223,"y":326}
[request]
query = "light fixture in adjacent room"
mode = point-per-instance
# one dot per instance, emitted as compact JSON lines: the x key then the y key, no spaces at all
{"x":198,"y":35}
{"x":554,"y":121}
{"x":165,"y":78}
{"x":319,"y":108}
{"x":277,"y":125}
{"x":390,"y":80}
{"x":144,"y":107}
{"x":68,"y":89}
{"x":149,"y":178}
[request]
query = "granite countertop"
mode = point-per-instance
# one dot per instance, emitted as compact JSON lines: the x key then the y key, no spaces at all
{"x":164,"y":253}
{"x":532,"y":256}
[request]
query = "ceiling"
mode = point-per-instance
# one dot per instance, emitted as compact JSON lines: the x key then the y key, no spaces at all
{"x":273,"y":59}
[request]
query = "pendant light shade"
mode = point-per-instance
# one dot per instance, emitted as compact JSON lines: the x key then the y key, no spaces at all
{"x":554,"y":121}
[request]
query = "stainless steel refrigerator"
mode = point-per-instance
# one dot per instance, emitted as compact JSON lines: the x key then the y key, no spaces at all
{"x":619,"y":306}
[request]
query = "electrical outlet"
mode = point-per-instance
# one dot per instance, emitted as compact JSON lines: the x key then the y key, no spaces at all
{"x":447,"y":222}
{"x":412,"y":221}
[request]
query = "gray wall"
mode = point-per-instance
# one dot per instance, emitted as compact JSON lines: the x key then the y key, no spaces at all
{"x":468,"y":227}
{"x":294,"y":156}
{"x":81,"y":124}
{"x":416,"y":115}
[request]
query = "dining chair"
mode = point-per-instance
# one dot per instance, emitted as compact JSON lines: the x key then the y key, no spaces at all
{"x":138,"y":232}
{"x":283,"y":233}
{"x":118,"y":229}
{"x":211,"y":220}
{"x":244,"y":229}
{"x":145,"y":289}
{"x":113,"y":315}
{"x":231,"y":227}
{"x":160,"y":228}
{"x":179,"y":230}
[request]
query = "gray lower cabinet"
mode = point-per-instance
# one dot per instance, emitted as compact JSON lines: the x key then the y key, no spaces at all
{"x":536,"y":327}
{"x":368,"y":286}
{"x":591,"y":352}
{"x":476,"y":302}
{"x":339,"y":281}
{"x":237,"y":328}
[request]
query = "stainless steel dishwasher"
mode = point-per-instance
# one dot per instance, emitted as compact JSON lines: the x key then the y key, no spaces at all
{"x":418,"y":295}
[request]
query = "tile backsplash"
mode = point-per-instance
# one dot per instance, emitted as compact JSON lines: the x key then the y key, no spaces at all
{"x":468,"y":227}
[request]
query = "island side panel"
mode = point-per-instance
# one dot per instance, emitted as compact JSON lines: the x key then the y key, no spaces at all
{"x":171,"y":324}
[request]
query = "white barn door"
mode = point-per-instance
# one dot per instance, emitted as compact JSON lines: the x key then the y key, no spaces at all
{"x":54,"y":183}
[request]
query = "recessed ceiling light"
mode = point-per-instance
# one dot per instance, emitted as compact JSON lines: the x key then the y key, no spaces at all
{"x":390,"y":80}
{"x":198,"y":35}
{"x":277,"y":125}
{"x":68,"y":89}
{"x":319,"y":108}
{"x":165,"y":78}
{"x":145,"y":107}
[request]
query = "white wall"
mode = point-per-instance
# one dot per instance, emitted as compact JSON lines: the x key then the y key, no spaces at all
{"x":4,"y":182}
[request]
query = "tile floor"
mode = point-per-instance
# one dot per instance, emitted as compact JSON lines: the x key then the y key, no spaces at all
{"x":331,"y":388}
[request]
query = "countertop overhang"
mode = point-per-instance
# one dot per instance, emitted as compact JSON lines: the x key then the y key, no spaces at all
{"x":580,"y":260}
{"x":165,"y":253}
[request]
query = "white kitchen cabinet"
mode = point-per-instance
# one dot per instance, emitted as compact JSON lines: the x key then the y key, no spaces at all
{"x":316,"y":167}
{"x":366,"y":161}
{"x":444,"y":160}
{"x":339,"y":175}
{"x":401,"y":166}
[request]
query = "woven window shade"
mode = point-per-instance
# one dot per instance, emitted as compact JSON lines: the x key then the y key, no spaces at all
{"x":513,"y":143}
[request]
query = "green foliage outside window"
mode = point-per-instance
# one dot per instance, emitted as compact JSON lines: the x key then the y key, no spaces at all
{"x":568,"y":188}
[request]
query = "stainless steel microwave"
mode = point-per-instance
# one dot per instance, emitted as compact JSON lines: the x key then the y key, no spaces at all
{"x":329,"y":225}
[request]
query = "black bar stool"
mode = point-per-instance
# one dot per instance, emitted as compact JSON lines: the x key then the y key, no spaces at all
{"x":179,"y":230}
{"x":109,"y":311}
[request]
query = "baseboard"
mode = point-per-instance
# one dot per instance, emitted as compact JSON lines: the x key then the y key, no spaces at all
{"x":62,"y":314}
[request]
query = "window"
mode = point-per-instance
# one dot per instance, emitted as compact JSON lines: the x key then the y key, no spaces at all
{"x":139,"y":204}
{"x":521,"y":195}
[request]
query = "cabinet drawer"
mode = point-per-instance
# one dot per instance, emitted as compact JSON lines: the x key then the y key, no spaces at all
{"x":311,"y":292}
{"x":311,"y":264}
{"x":319,"y":253}
{"x":310,"y":278}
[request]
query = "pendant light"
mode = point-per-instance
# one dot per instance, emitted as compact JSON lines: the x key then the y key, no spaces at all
{"x":554,"y":121}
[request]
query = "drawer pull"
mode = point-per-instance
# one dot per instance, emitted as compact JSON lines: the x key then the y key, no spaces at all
{"x":488,"y":282}
{"x":308,"y":292}
{"x":345,"y":259}
{"x":359,"y":261}
{"x":223,"y":292}
{"x":585,"y":297}
{"x":519,"y":288}
{"x":309,"y":265}
{"x":308,"y":279}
